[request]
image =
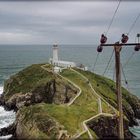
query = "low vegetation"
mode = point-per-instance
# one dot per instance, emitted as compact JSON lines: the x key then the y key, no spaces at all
{"x":34,"y":118}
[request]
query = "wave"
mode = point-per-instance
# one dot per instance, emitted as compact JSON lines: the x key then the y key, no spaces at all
{"x":136,"y":130}
{"x":6,"y":117}
{"x":1,"y":89}
{"x":5,"y":137}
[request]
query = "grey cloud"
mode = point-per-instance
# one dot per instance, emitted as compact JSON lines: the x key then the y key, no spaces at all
{"x":67,"y":22}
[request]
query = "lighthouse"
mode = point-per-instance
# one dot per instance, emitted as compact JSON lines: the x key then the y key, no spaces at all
{"x":58,"y":64}
{"x":55,"y":61}
{"x":55,"y":52}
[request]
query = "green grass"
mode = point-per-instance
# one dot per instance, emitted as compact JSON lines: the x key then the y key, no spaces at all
{"x":84,"y":107}
{"x":85,"y":136}
{"x":26,"y":80}
{"x":71,"y":117}
{"x":35,"y":123}
{"x":88,"y":96}
{"x":106,"y":88}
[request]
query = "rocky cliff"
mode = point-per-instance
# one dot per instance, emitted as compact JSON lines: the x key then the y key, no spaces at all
{"x":39,"y":98}
{"x":35,"y":85}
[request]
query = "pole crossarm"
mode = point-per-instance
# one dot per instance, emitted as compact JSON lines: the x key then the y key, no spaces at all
{"x":121,"y":44}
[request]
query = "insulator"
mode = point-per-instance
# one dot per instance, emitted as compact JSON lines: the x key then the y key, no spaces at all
{"x":137,"y":48}
{"x":124,"y":38}
{"x":138,"y":35}
{"x":126,"y":82}
{"x":99,"y":49}
{"x":103,"y":39}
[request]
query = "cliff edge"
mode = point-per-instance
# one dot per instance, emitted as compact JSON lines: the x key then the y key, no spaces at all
{"x":65,"y":105}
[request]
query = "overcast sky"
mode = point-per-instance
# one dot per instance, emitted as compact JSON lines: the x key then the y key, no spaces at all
{"x":65,"y":22}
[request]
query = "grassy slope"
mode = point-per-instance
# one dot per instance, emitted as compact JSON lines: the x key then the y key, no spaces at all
{"x":83,"y":108}
{"x":34,"y":122}
{"x":26,"y":80}
{"x":106,"y":88}
{"x":70,"y":117}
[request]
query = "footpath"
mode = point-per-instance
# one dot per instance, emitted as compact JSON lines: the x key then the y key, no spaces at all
{"x":100,"y":113}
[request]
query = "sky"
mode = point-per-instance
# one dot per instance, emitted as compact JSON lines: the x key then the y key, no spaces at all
{"x":68,"y":22}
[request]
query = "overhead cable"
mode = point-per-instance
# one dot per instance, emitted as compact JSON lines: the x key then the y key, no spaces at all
{"x":113,"y":18}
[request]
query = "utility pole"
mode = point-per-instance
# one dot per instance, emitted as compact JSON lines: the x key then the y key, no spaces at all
{"x":117,"y":48}
{"x":118,"y":91}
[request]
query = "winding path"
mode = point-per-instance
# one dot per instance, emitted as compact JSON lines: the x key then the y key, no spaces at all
{"x":71,"y":102}
{"x":94,"y":92}
{"x":86,"y":129}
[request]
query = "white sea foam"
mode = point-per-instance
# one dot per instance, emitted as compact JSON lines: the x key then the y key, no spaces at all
{"x":5,"y":137}
{"x":136,"y":130}
{"x":6,"y":118}
{"x":1,"y":89}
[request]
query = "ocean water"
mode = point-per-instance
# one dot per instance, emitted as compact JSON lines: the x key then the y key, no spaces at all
{"x":14,"y":58}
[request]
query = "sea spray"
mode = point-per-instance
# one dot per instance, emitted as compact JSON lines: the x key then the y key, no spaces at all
{"x":6,"y":117}
{"x":136,"y":130}
{"x":1,"y":89}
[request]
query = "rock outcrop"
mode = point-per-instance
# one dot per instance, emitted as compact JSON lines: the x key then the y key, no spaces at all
{"x":32,"y":91}
{"x":54,"y":91}
{"x":40,"y":126}
{"x":106,"y":128}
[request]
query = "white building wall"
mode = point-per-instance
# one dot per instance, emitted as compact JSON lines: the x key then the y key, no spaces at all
{"x":64,"y":64}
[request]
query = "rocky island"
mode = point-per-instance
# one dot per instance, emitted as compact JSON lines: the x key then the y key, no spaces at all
{"x":73,"y":104}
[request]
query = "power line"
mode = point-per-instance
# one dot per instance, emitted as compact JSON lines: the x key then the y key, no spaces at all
{"x":106,"y":34}
{"x":108,"y":62}
{"x":126,"y":82}
{"x":131,"y":54}
{"x":114,"y":74}
{"x":108,"y":31}
{"x":109,"y":67}
{"x":137,"y":80}
{"x":113,"y":17}
{"x":133,"y":24}
{"x":95,"y":61}
{"x":128,"y":59}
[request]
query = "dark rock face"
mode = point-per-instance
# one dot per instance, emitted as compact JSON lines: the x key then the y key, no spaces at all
{"x":54,"y":92}
{"x":130,"y":114}
{"x":57,"y":91}
{"x":51,"y":92}
{"x":135,"y":104}
{"x":106,"y":128}
{"x":25,"y":126}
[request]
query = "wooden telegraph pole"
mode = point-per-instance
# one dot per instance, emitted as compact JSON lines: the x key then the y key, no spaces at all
{"x":118,"y":91}
{"x":117,"y":47}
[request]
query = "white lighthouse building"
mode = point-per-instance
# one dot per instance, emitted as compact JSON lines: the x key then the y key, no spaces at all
{"x":59,"y":63}
{"x":55,"y":52}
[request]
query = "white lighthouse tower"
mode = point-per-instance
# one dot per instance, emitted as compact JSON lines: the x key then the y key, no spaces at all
{"x":58,"y":64}
{"x":55,"y":52}
{"x":55,"y":61}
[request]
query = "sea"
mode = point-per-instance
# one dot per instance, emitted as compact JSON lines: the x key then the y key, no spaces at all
{"x":14,"y":58}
